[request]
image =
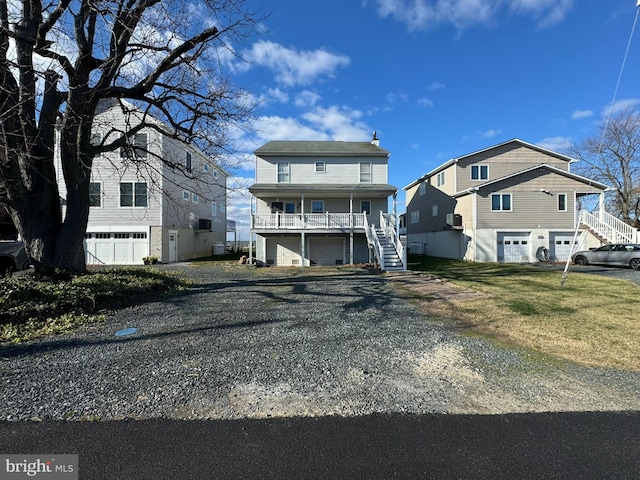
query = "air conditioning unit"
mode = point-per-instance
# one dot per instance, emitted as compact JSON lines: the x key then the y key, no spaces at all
{"x":454,"y":220}
{"x":204,"y":224}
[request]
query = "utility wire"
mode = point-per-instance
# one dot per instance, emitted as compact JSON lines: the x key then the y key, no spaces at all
{"x":615,"y":93}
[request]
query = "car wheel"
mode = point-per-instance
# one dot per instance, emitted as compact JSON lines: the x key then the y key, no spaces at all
{"x":6,"y":266}
{"x":580,"y":260}
{"x":635,"y":263}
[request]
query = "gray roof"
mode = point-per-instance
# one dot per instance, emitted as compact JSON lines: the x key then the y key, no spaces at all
{"x":324,"y":149}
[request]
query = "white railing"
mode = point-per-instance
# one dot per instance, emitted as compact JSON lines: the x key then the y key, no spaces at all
{"x":609,"y":227}
{"x":372,"y":239}
{"x":300,"y":221}
{"x":388,"y":225}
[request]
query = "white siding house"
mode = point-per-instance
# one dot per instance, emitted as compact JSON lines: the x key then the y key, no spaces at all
{"x":320,"y":203}
{"x":142,"y":206}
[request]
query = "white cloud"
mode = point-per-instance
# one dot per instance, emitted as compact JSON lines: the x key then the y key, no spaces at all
{"x":435,"y":86}
{"x":306,"y":98}
{"x":580,"y":114}
{"x":425,"y":102}
{"x":429,"y":14}
{"x":340,"y":123}
{"x":491,"y":133}
{"x":278,"y":95}
{"x":620,"y":106}
{"x":556,"y":144}
{"x":294,"y":67}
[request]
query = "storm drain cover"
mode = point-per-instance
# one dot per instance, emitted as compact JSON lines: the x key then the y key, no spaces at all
{"x":126,"y":331}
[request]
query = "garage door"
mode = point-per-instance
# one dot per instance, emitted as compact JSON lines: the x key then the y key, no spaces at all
{"x":513,"y":247}
{"x":327,"y":251}
{"x":116,"y":248}
{"x":560,"y":246}
{"x":283,"y":251}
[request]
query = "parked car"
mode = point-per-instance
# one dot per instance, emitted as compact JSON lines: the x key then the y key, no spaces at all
{"x":13,"y":257}
{"x":617,"y":254}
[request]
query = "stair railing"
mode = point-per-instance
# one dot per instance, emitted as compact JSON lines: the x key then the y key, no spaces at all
{"x":609,"y":227}
{"x":389,"y":228}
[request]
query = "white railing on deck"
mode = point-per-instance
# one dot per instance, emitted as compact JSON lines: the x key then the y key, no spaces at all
{"x":372,"y":239}
{"x":388,"y":225}
{"x":299,"y":221}
{"x":609,"y":227}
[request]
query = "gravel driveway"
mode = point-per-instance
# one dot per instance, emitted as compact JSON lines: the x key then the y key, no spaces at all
{"x":256,"y":343}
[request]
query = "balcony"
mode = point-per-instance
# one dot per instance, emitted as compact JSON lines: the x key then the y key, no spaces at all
{"x":309,"y":221}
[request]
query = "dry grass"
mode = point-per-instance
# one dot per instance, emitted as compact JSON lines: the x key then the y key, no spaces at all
{"x":592,"y":320}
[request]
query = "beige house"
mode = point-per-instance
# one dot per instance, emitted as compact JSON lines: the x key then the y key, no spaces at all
{"x":512,"y":202}
{"x":324,"y":203}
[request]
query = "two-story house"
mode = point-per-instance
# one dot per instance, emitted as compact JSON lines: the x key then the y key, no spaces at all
{"x":323,"y":203}
{"x":512,"y":202}
{"x":157,"y":196}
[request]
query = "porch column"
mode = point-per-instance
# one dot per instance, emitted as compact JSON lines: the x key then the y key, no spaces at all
{"x":251,"y":228}
{"x":395,"y":216}
{"x":351,"y":229}
{"x":303,"y":253}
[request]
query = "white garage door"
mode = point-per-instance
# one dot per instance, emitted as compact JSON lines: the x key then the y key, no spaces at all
{"x":513,"y":247}
{"x":115,"y":248}
{"x":283,"y":251}
{"x":560,"y":246}
{"x":327,"y":251}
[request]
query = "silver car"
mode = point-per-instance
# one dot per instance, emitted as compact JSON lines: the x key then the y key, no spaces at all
{"x":617,"y":254}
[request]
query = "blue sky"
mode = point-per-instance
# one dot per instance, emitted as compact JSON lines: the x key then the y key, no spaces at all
{"x":437,"y":78}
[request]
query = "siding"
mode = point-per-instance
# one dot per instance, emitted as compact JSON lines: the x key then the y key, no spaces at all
{"x":503,"y":161}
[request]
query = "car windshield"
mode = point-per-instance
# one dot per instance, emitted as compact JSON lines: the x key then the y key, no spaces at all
{"x":606,"y":248}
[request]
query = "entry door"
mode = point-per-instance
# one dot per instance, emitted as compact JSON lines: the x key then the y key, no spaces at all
{"x":173,"y":246}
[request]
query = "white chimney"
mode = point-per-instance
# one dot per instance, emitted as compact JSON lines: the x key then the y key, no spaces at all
{"x":375,"y":140}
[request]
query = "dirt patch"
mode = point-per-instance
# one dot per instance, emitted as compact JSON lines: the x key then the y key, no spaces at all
{"x":432,"y":288}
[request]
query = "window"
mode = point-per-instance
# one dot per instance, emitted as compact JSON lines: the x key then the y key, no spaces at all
{"x":205,"y":167}
{"x":214,"y":209}
{"x":501,"y":202}
{"x":187,"y":161}
{"x":480,"y":172}
{"x":214,"y":173}
{"x":440,"y":179}
{"x":415,"y":216}
{"x":422,"y":189}
{"x":562,"y":202}
{"x":283,"y":172}
{"x":365,"y":172}
{"x":186,"y":195}
{"x":289,"y":207}
{"x":434,"y":210}
{"x":133,"y":194}
{"x":320,"y":167}
{"x":195,"y":198}
{"x":365,"y":206}
{"x":317,"y":206}
{"x":95,"y":199}
{"x":136,"y":147}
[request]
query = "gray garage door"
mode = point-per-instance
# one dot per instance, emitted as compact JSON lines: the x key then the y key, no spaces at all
{"x":327,"y":251}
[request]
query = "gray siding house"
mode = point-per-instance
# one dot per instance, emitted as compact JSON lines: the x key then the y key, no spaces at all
{"x":323,"y":203}
{"x":140,"y":205}
{"x":510,"y":202}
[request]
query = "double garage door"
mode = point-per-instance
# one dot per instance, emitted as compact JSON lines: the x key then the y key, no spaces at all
{"x":116,"y":248}
{"x":285,"y":251}
{"x":516,"y":247}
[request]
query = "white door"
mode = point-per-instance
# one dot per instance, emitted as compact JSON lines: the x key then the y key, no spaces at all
{"x":560,"y":246}
{"x":283,"y":251}
{"x":116,"y":248}
{"x":513,"y":247}
{"x":173,"y":246}
{"x":327,"y":251}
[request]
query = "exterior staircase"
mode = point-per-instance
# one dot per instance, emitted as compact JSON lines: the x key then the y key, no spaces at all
{"x":607,"y":228}
{"x":392,"y":261}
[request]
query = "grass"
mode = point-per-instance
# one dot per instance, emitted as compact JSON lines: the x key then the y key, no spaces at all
{"x":592,"y":320}
{"x":34,"y":305}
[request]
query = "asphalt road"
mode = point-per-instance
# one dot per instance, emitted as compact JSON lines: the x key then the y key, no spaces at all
{"x":532,"y":446}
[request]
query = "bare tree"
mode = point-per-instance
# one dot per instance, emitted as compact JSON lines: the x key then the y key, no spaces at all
{"x":58,"y":60}
{"x":612,"y":156}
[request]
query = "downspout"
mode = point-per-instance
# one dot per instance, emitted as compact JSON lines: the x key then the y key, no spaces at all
{"x":475,"y":224}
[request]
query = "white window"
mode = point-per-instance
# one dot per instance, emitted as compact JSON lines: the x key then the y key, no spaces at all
{"x":415,"y":216}
{"x":562,"y":202}
{"x":205,"y":167}
{"x":365,"y":172}
{"x":283,"y":172}
{"x":214,"y":209}
{"x":95,"y":197}
{"x":440,"y":179}
{"x":422,"y":189}
{"x":434,"y":210}
{"x":317,"y":206}
{"x":136,"y":147}
{"x":320,"y":167}
{"x":214,"y":173}
{"x":501,"y":202}
{"x":186,"y":195}
{"x":223,"y":208}
{"x":133,"y":194}
{"x":187,"y":161}
{"x":195,"y":198}
{"x":480,"y":172}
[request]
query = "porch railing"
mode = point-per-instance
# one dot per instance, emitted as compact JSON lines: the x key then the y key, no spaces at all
{"x":388,"y":224}
{"x":301,"y":221}
{"x":609,"y":227}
